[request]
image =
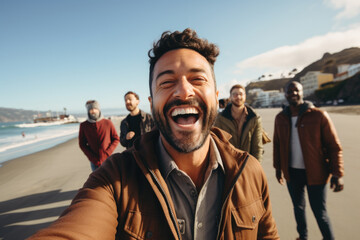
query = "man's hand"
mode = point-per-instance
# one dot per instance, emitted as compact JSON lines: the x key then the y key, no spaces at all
{"x":279,"y":177}
{"x":130,"y":135}
{"x":337,"y":183}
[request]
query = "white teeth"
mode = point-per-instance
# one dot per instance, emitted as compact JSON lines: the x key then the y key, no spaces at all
{"x":182,"y":111}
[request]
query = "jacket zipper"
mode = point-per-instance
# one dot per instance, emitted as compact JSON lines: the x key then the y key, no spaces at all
{"x":228,"y":195}
{"x":162,"y":192}
{"x":166,"y":200}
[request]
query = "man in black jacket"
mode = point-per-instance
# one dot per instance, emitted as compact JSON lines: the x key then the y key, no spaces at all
{"x":136,"y":123}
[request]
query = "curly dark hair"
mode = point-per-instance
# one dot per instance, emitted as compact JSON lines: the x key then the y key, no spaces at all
{"x":176,"y":40}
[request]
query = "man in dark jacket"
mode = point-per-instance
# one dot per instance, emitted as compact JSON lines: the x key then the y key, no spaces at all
{"x":97,"y":136}
{"x":306,"y":151}
{"x":242,"y":122}
{"x":182,"y":180}
{"x":136,"y":123}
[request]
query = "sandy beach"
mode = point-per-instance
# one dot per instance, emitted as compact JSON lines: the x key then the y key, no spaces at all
{"x":36,"y":188}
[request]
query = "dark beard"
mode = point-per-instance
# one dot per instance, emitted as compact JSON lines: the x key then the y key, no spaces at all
{"x":94,"y":116}
{"x":185,"y":145}
{"x":130,"y":107}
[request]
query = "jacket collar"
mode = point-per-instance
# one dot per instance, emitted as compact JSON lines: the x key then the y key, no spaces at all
{"x":146,"y":151}
{"x":303,"y":108}
{"x":227,"y":112}
{"x":141,"y":113}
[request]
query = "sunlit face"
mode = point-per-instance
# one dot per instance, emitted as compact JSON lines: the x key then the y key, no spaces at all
{"x":294,"y":94}
{"x":238,"y":97}
{"x":131,"y":102}
{"x":94,"y":113}
{"x":184,"y":99}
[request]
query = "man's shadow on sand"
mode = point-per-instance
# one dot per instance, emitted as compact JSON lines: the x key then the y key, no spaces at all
{"x":9,"y":221}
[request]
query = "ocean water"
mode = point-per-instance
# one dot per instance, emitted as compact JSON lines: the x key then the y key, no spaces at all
{"x":20,"y":138}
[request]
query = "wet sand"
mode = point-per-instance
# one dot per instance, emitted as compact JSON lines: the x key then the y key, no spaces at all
{"x":35,"y":189}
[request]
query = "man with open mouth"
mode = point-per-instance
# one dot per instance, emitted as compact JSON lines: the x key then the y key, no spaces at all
{"x":182,"y":180}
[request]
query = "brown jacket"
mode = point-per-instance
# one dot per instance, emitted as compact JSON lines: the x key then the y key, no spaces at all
{"x":319,"y":144}
{"x":127,"y":198}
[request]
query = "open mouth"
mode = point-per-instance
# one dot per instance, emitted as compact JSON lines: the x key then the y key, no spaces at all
{"x":185,"y":116}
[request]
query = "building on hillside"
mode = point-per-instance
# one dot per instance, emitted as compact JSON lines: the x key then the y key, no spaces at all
{"x":272,"y":98}
{"x":313,"y":80}
{"x":346,"y":71}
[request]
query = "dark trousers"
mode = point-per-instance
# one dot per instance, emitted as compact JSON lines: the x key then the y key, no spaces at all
{"x":317,"y":199}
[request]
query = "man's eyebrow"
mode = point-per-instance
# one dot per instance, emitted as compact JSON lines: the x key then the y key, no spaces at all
{"x":192,"y":70}
{"x":163,"y":73}
{"x":195,"y":70}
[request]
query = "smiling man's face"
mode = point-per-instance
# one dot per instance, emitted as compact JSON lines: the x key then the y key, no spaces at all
{"x":294,"y":94}
{"x":184,"y":99}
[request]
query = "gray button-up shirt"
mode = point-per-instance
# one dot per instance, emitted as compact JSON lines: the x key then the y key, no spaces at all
{"x":197,"y":212}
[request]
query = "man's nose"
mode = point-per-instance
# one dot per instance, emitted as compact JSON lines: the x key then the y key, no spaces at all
{"x":184,"y":89}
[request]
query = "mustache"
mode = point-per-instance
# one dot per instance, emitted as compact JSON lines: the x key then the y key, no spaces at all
{"x":191,"y":102}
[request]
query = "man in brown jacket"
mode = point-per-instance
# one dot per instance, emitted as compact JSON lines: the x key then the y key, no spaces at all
{"x":183,"y":180}
{"x":306,"y":152}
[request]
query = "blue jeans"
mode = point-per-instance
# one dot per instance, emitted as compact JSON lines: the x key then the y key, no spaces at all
{"x":93,"y":166}
{"x":317,"y":199}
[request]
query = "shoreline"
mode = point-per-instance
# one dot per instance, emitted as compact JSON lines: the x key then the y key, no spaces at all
{"x":45,"y":149}
{"x":115,"y":119}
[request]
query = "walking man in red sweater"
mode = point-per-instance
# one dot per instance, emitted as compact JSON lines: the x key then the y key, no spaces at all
{"x":97,"y":136}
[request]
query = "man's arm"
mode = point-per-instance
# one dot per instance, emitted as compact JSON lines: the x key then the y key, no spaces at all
{"x":92,"y":214}
{"x":333,"y":148}
{"x":257,"y":148}
{"x":124,"y":129}
{"x":84,"y":146}
{"x":276,"y":154}
{"x":114,"y":140}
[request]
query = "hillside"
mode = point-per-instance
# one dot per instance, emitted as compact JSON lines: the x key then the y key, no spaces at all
{"x":329,"y":62}
{"x":17,"y":115}
{"x":274,"y":84}
{"x":349,"y":90}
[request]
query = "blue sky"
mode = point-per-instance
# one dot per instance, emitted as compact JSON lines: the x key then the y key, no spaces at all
{"x":56,"y":54}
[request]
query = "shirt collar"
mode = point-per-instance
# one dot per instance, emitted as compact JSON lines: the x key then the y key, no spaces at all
{"x":167,"y":164}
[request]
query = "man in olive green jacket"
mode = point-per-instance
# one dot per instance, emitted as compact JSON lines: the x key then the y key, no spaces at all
{"x":242,"y":122}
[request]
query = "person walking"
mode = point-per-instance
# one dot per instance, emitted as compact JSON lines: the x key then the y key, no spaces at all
{"x":306,"y":153}
{"x":136,"y":123}
{"x":242,"y":122}
{"x":97,"y":136}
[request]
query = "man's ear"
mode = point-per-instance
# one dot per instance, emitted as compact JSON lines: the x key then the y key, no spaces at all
{"x":150,"y":101}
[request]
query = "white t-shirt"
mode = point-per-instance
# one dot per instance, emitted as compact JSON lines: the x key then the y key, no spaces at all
{"x":297,"y":159}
